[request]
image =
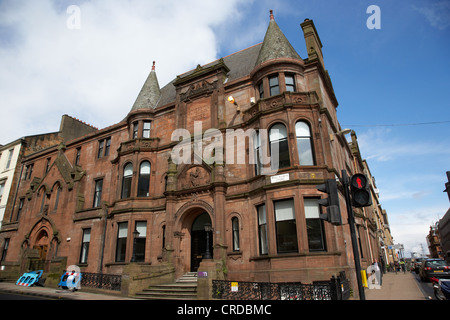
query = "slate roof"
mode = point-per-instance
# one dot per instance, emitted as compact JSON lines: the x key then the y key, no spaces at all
{"x":150,"y":93}
{"x":240,"y":64}
{"x":275,"y":44}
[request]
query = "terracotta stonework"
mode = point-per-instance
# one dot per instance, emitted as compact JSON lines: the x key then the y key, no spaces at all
{"x":123,"y":178}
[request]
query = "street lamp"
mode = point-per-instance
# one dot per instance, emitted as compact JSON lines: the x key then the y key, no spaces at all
{"x":135,"y":236}
{"x":233,"y":101}
{"x":208,"y":229}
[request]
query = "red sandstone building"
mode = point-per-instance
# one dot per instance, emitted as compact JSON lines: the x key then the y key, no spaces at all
{"x":116,"y":197}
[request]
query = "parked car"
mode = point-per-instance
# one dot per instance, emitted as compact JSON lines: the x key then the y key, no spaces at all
{"x":436,"y":268}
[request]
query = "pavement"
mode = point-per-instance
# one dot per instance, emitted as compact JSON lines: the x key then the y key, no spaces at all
{"x":400,"y":286}
{"x":57,"y":294}
{"x":397,"y":286}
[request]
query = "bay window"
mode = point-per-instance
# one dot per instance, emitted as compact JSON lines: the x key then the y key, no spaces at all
{"x":314,"y":226}
{"x":286,"y":227}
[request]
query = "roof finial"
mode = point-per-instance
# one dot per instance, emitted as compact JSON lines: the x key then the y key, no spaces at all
{"x":271,"y":15}
{"x":153,"y":67}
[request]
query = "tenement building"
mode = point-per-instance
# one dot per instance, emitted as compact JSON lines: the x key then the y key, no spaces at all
{"x":218,"y":166}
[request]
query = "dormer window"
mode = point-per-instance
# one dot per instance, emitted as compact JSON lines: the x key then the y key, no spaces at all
{"x":126,"y":181}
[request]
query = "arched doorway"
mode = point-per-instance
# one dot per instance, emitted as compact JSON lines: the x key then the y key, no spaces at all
{"x":199,"y":239}
{"x":36,"y":259}
{"x":41,"y":244}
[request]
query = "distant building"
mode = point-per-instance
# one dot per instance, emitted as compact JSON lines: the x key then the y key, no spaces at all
{"x":444,"y":233}
{"x":120,"y":201}
{"x":444,"y":225}
{"x":9,"y":155}
{"x":434,"y":242}
{"x":372,"y":221}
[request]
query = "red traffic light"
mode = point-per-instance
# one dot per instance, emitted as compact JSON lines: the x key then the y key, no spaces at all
{"x":360,"y":189}
{"x":359,"y":181}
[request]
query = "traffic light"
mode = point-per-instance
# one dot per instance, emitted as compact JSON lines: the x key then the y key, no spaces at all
{"x":360,"y":190}
{"x":333,"y":214}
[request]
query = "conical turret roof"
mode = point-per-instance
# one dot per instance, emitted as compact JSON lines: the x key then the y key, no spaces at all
{"x":150,"y":93}
{"x":275,"y":44}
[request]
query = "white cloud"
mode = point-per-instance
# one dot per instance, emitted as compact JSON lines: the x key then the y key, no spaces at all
{"x":409,"y":167}
{"x":383,"y":144}
{"x":437,"y":13}
{"x":410,"y":226}
{"x":96,"y":72}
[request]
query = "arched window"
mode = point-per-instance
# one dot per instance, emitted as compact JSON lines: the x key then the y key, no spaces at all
{"x":235,"y":227}
{"x":304,"y":143}
{"x":43,"y":193}
{"x":58,"y":189}
{"x":163,"y":236}
{"x":279,"y":142}
{"x":126,"y":180}
{"x":144,"y":179}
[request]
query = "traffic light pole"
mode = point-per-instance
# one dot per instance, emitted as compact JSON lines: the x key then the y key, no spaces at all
{"x":351,"y":223}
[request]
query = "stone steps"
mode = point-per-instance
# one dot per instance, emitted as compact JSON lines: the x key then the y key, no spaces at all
{"x":190,"y":277}
{"x":185,"y":288}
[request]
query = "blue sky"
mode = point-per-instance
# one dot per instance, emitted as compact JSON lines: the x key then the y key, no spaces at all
{"x":391,"y":83}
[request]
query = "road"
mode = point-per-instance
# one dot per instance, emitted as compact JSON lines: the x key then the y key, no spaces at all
{"x":426,"y":287}
{"x":12,"y":296}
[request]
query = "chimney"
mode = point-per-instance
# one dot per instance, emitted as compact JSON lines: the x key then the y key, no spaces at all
{"x":313,"y":43}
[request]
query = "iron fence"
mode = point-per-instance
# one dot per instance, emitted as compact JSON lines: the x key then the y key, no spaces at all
{"x":334,"y":289}
{"x":101,"y":281}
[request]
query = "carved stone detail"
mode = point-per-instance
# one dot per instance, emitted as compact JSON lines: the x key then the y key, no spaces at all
{"x":193,"y":177}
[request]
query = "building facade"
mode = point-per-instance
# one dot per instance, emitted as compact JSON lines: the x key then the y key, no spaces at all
{"x":9,"y":155}
{"x":12,"y":156}
{"x":186,"y":177}
{"x":434,"y":242}
{"x":444,"y":235}
{"x":372,"y":220}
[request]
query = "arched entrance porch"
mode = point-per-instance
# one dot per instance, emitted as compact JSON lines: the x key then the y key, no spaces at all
{"x":190,"y":242}
{"x":201,"y":240}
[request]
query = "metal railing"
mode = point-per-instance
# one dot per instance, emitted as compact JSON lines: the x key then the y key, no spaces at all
{"x":334,"y":289}
{"x":101,"y":281}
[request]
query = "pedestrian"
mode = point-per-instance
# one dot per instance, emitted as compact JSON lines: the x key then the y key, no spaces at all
{"x":402,"y":265}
